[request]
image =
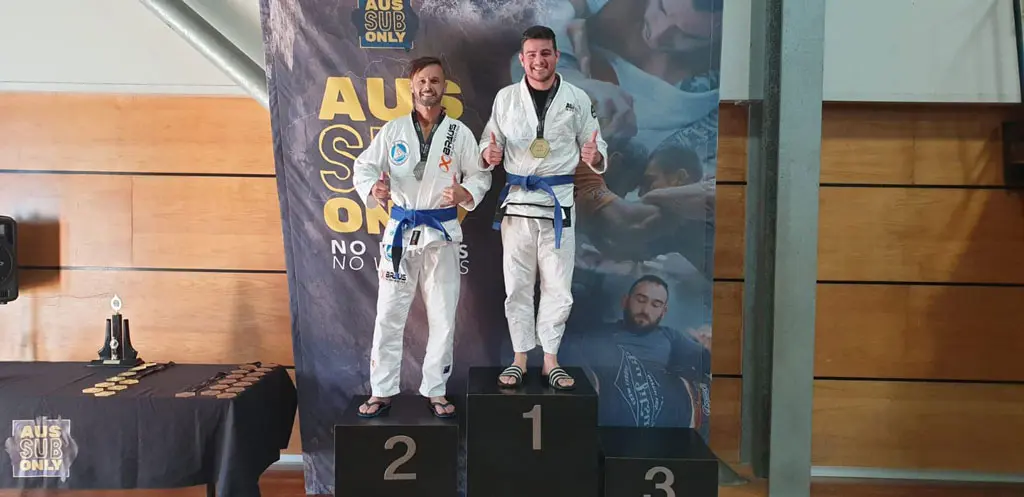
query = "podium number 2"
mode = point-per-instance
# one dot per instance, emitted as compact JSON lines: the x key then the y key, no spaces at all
{"x":410,"y":450}
{"x":534,"y":414}
{"x":665,"y":486}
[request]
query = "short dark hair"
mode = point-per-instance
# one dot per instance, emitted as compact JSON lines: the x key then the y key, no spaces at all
{"x":672,"y":158}
{"x":648,"y":278}
{"x":538,"y":33}
{"x":421,"y":63}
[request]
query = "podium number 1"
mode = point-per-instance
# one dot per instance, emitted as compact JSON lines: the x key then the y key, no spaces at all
{"x":665,"y":486}
{"x":410,"y":450}
{"x":534,"y":414}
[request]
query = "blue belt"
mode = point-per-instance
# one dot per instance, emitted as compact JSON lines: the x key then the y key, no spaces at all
{"x":537,"y":183}
{"x":408,"y":218}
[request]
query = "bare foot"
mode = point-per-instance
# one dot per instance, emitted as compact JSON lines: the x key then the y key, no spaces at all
{"x":369,"y":407}
{"x":520,"y":360}
{"x":551,"y":362}
{"x":447,"y":409}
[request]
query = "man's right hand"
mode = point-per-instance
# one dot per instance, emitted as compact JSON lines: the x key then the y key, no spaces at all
{"x":492,"y":154}
{"x":382,"y":189}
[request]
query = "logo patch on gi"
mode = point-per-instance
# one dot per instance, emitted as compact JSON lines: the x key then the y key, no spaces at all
{"x":399,"y":153}
{"x":593,"y":111}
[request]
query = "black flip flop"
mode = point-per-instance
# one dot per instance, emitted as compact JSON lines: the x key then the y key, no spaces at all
{"x":383,"y":409}
{"x":513,"y":371}
{"x":556,"y":375}
{"x":443,"y":414}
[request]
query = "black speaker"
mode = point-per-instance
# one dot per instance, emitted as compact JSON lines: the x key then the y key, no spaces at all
{"x":8,"y":259}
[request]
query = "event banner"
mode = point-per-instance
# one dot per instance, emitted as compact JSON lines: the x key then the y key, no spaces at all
{"x":640,"y":326}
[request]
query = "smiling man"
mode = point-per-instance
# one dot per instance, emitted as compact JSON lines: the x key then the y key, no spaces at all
{"x":541,"y":128}
{"x":426,"y":164}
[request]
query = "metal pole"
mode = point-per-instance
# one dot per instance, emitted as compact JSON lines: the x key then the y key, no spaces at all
{"x":214,"y":46}
{"x":781,"y":255}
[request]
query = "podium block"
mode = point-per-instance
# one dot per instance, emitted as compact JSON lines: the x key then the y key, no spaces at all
{"x":533,"y":441}
{"x":657,"y":462}
{"x":406,"y":452}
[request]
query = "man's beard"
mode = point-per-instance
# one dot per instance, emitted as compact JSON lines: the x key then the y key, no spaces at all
{"x":428,"y":101}
{"x":631,"y":324}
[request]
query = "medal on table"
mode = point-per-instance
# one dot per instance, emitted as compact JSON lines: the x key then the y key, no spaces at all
{"x":424,"y":143}
{"x":540,"y":148}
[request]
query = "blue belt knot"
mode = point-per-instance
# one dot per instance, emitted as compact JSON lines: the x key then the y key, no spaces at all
{"x":536,"y":183}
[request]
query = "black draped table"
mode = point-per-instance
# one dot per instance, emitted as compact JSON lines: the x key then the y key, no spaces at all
{"x":55,"y":436}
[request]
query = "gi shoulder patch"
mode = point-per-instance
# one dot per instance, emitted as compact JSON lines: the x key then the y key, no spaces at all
{"x":593,"y":110}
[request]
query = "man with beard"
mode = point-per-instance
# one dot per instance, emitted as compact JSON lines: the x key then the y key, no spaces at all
{"x":647,"y":374}
{"x":416,"y":162}
{"x":542,"y":127}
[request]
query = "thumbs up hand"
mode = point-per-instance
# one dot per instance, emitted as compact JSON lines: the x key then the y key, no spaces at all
{"x":493,"y":152}
{"x":382,"y":189}
{"x":589,"y":153}
{"x":454,"y":194}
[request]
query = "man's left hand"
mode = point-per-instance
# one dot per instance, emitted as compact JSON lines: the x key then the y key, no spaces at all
{"x":589,"y":153}
{"x":454,"y":194}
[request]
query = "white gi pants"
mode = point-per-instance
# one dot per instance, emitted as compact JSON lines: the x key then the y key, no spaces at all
{"x":436,"y":269}
{"x":528,"y":248}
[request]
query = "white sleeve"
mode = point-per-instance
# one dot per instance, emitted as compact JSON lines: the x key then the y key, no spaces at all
{"x":476,"y":176}
{"x":368,"y":166}
{"x":586,"y":125}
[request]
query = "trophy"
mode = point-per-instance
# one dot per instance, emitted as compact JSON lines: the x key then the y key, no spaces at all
{"x":117,"y":347}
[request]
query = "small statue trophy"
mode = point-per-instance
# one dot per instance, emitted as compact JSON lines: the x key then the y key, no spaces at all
{"x":117,"y":347}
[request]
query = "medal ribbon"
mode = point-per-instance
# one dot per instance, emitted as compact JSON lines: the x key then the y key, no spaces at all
{"x":543,"y":112}
{"x":425,"y":143}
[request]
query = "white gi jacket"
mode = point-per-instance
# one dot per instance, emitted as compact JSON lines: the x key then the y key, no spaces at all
{"x":395,"y":149}
{"x":570,"y":122}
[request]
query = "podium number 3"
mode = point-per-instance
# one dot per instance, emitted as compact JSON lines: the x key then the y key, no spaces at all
{"x":410,"y":450}
{"x":665,"y":486}
{"x":534,"y":414}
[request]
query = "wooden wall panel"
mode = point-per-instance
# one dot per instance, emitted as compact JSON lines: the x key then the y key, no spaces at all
{"x":136,"y":133}
{"x":729,"y":227}
{"x":920,"y":332}
{"x":185,"y":317}
{"x":918,"y":425}
{"x":912,"y":144}
{"x":67,"y":219}
{"x":196,"y":222}
{"x":921,"y":235}
{"x":732,"y":143}
{"x":727,"y":328}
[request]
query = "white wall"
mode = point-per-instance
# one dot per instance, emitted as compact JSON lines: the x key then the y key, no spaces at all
{"x":875,"y":50}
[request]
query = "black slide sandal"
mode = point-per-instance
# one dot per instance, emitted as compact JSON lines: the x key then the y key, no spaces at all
{"x":513,"y":371}
{"x":556,"y":375}
{"x":442,"y":414}
{"x":383,"y":409}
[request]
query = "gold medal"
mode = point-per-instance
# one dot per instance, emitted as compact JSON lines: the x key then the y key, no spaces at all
{"x":129,"y":381}
{"x":149,"y":364}
{"x":105,"y":393}
{"x":127,"y":374}
{"x":92,"y":390}
{"x":114,"y":378}
{"x":103,"y":385}
{"x":138,"y":368}
{"x":117,"y":388}
{"x":540,"y":148}
{"x":227,"y":396}
{"x":183,"y":395}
